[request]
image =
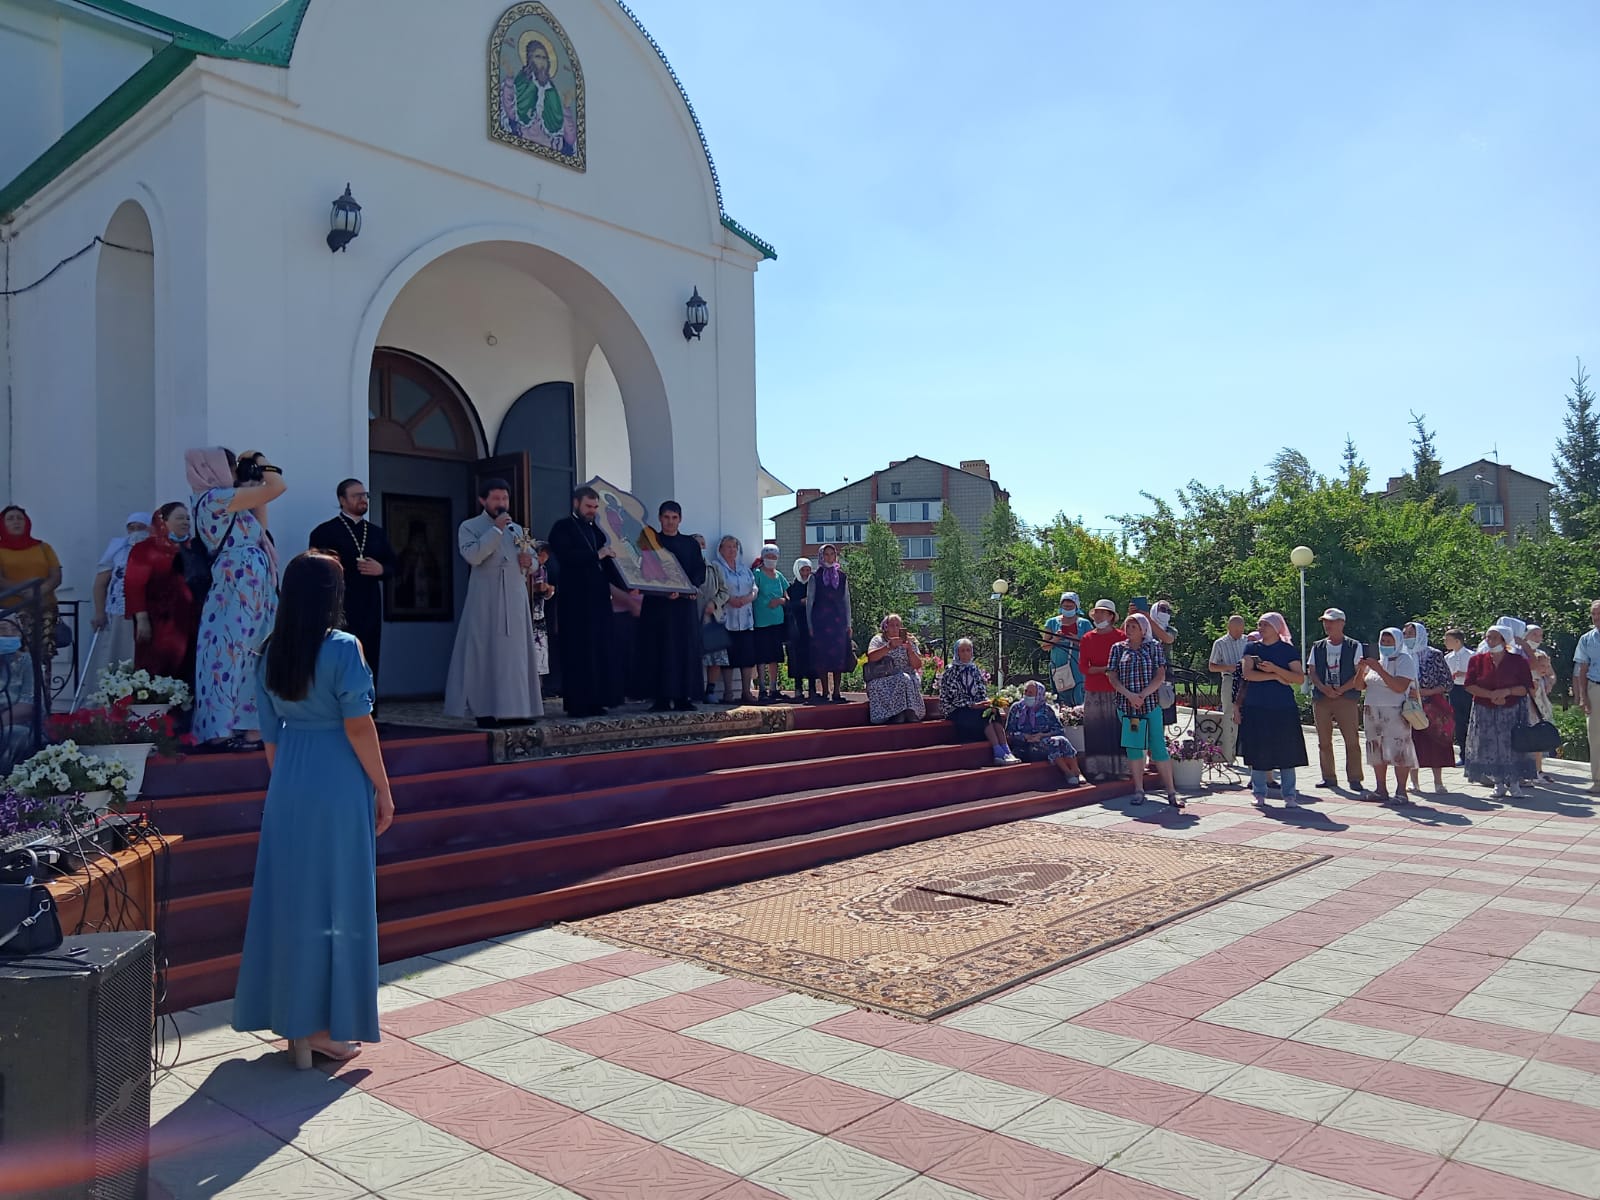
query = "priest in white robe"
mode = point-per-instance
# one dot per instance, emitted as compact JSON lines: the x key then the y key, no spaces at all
{"x":494,"y":674}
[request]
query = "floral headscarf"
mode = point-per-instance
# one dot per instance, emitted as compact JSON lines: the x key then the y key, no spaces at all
{"x":832,"y":574}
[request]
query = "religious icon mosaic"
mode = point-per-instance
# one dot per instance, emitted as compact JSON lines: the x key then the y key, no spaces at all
{"x":536,"y":86}
{"x":642,"y":565}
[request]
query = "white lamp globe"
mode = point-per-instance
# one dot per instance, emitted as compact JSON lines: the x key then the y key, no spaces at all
{"x":1302,"y":557}
{"x":1001,"y":587}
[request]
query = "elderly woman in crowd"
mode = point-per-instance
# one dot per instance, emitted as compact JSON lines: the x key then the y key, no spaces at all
{"x":157,"y":599}
{"x":894,"y":675}
{"x":1270,"y":737}
{"x":713,"y":595}
{"x":18,"y":693}
{"x":964,"y":700}
{"x":1544,"y":681}
{"x":738,"y":617}
{"x":1063,"y":633}
{"x":1103,"y":755}
{"x":1435,"y":745}
{"x":1035,"y":735}
{"x":798,"y":634}
{"x":24,"y":558}
{"x":1500,"y":682}
{"x":772,"y":597}
{"x":833,"y":654}
{"x":1388,"y":736}
{"x":1137,"y":669}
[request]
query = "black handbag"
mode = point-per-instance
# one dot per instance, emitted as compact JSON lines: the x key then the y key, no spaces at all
{"x":1541,"y":737}
{"x":714,"y":637}
{"x":29,"y":923}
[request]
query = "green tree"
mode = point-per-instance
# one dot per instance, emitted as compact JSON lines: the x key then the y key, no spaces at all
{"x":1423,"y":482}
{"x":879,"y":582}
{"x":1355,"y":470}
{"x":1291,"y":472}
{"x":955,"y":566}
{"x":1000,"y":541}
{"x":1577,"y":464}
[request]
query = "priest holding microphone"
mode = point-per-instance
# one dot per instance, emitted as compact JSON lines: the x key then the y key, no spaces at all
{"x":494,"y":674}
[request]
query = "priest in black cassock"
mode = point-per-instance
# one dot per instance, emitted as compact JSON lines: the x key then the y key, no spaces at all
{"x":368,"y":560}
{"x":587,"y":570}
{"x":669,"y":625}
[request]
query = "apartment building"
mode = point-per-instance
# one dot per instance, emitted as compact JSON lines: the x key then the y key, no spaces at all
{"x":1505,"y":502}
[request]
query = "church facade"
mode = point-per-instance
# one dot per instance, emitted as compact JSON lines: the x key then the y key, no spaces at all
{"x":538,"y":210}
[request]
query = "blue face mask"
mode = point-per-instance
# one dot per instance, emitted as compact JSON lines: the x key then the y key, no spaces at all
{"x":175,"y":538}
{"x":1034,"y":700}
{"x":1411,"y":644}
{"x":1387,"y":651}
{"x":10,"y":645}
{"x":1068,"y":611}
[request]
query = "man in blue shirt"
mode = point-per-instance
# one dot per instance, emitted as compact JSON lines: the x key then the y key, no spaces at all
{"x":1586,"y":687}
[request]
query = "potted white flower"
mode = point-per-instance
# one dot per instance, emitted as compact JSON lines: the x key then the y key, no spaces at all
{"x":118,"y":734}
{"x":65,"y":781}
{"x":144,"y":694}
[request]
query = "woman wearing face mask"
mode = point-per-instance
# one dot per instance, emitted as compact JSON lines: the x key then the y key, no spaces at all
{"x":964,"y":698}
{"x":164,"y":615}
{"x":1270,"y":735}
{"x":798,"y":635}
{"x":1063,"y":633}
{"x":19,"y":686}
{"x":1388,"y":736}
{"x":1434,"y":745}
{"x":1499,"y":681}
{"x":1034,"y":733}
{"x":1138,"y":669}
{"x":1103,"y":755}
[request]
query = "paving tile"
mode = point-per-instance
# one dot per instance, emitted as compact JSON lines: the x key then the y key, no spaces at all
{"x":745,"y":1190}
{"x":589,"y":1085}
{"x":1002,"y":1168}
{"x":1355,"y":1039}
{"x":660,"y":1111}
{"x":1025,"y":1067}
{"x":1289,"y":1183}
{"x":1220,"y":1041}
{"x":1463,"y":1181}
{"x":1277,"y":1091}
{"x":1081,"y":1133}
{"x":1559,"y":1119}
{"x":909,"y":1136}
{"x":1271,"y":1009}
{"x":1116,"y":1016}
{"x":1455,"y":1059}
{"x":679,"y":977}
{"x":829,"y":1170}
{"x":739,"y":1078}
{"x":618,"y":995}
{"x":1417,"y":1085}
{"x":499,"y":997}
{"x":572,"y":977}
{"x":1314,"y":1062}
{"x":738,"y":993}
{"x":1181,"y":1068}
{"x":741,"y":1141}
{"x":870,"y":1028}
{"x":1364,"y":1162}
{"x":986,"y":1103}
{"x":625,"y":963}
{"x":800,"y":1010}
{"x":1580,"y":1025}
{"x":208,"y":1167}
{"x":1398,"y":1121}
{"x":546,"y":1016}
{"x":1578,"y":1054}
{"x":1566,"y":950}
{"x":926,"y":1188}
{"x":807,"y":1050}
{"x":436,"y":1092}
{"x":1372,"y":1015}
{"x":889,"y":1073}
{"x":262,"y":1084}
{"x":425,"y":1018}
{"x":1534,"y":1017}
{"x":498,"y":1119}
{"x":1191,"y":1167}
{"x":1165,"y":999}
{"x":525,"y":1062}
{"x":1085,"y":1045}
{"x":434,"y":979}
{"x":477,"y":1036}
{"x":1037,"y":1000}
{"x":1109,"y":1091}
{"x":558,"y":942}
{"x":305,"y":1179}
{"x":999,"y":1022}
{"x":1108,"y":1185}
{"x":677,"y":1012}
{"x":659,"y":1173}
{"x":666,"y":1055}
{"x":1533,"y":1157}
{"x":1540,"y":983}
{"x":949,"y":1047}
{"x":181,"y":1116}
{"x":406,"y":1153}
{"x":499,"y":960}
{"x":740,"y":1030}
{"x":577,"y":1147}
{"x":819,"y":1104}
{"x":482,"y":1177}
{"x":605,"y":1034}
{"x":1252,"y":1130}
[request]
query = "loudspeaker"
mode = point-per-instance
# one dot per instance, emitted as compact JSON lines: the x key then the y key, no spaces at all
{"x":75,"y":1031}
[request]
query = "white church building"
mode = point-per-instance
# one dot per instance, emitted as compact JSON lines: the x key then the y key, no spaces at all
{"x":538,"y":210}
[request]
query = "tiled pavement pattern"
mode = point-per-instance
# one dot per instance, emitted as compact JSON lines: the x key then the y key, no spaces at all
{"x":1417,"y":1017}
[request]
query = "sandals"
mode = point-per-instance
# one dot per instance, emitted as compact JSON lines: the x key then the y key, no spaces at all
{"x":301,"y":1051}
{"x":1137,"y":798}
{"x":1173,"y":800}
{"x":239,"y":744}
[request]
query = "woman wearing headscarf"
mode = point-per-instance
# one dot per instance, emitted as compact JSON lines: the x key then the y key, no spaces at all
{"x":1435,"y":745}
{"x":1544,"y":679}
{"x":1034,"y":733}
{"x":894,"y":675}
{"x":1270,"y":736}
{"x":1103,"y":755}
{"x":1138,"y":668}
{"x":713,"y":595}
{"x":739,"y":618}
{"x":1500,"y":681}
{"x":798,"y":635}
{"x":772,"y":597}
{"x":1063,"y":634}
{"x":1388,"y":736}
{"x":165,"y":618}
{"x":833,"y":654}
{"x":964,"y":702}
{"x":24,"y":558}
{"x":230,"y":510}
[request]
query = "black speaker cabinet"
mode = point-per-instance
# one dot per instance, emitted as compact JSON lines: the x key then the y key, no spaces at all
{"x":75,"y":1069}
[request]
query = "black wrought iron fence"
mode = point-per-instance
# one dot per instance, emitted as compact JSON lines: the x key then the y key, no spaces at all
{"x":24,"y":676}
{"x":1008,"y":649}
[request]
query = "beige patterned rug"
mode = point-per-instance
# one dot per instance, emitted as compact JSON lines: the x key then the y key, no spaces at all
{"x":922,"y":930}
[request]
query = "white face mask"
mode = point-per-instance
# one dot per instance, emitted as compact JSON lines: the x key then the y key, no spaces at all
{"x":135,"y":538}
{"x":1102,"y":624}
{"x":1163,"y":619}
{"x":1497,"y":651}
{"x":1534,"y":642}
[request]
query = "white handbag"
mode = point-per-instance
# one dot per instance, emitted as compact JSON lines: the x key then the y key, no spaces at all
{"x":1063,"y":678}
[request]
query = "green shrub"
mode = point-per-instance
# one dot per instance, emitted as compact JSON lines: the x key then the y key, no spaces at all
{"x":1574,"y":729}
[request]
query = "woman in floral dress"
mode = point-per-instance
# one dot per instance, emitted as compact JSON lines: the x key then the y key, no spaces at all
{"x":894,"y":675}
{"x":231,"y":495}
{"x":833,"y":654}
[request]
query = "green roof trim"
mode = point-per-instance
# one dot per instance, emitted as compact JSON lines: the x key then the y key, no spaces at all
{"x":766,"y":248}
{"x":144,"y":85}
{"x":271,"y":39}
{"x":138,"y":15}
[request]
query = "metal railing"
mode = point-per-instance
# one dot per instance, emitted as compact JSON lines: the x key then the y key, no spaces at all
{"x":25,"y":680}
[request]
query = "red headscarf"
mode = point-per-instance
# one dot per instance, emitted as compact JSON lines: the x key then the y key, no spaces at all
{"x":11,"y":541}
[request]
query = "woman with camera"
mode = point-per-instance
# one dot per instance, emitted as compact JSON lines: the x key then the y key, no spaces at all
{"x":230,"y":517}
{"x":893,"y":675}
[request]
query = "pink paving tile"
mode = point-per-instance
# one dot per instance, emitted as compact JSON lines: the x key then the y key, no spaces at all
{"x":1541,"y":894}
{"x":1503,"y":943}
{"x":1318,"y":1062}
{"x":579,"y":1146}
{"x":678,"y":1012}
{"x":1572,"y":925}
{"x":1460,"y":1181}
{"x":1163,"y":998}
{"x":436,"y":1092}
{"x":1396,"y":883}
{"x":424,"y":1018}
{"x":1036,"y":1070}
{"x":603,"y":1035}
{"x":745,"y":1190}
{"x":1486,"y":1035}
{"x":1365,"y":1162}
{"x":740,"y":1078}
{"x":1432,"y":1089}
{"x":1385,"y":1016}
{"x":1559,"y":1119}
{"x":1214,"y":978}
{"x":667,"y":1055}
{"x":909,"y":1136}
{"x":499,"y":997}
{"x":1263,"y":956}
{"x":869,"y":1028}
{"x":386,"y":1062}
{"x":1239,"y":1127}
{"x":1130,"y":1096}
{"x":1002,"y":1168}
{"x":1219,"y":1041}
{"x":1451,"y":967}
{"x":1571,"y":1052}
{"x":1589,"y":1005}
{"x":659,"y":1173}
{"x":499,"y":1118}
{"x":818,"y":1104}
{"x":1413,"y":994}
{"x":951,"y":1047}
{"x":628,"y":962}
{"x":1130,"y":1021}
{"x":737,"y":993}
{"x":1108,"y":1185}
{"x":1312,"y":929}
{"x":570,"y":978}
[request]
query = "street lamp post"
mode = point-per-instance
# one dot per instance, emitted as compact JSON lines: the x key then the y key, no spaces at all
{"x":1001,"y":587}
{"x":1302,"y":557}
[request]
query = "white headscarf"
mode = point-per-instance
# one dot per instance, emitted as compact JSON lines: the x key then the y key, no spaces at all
{"x":117,"y":548}
{"x":1511,"y":628}
{"x":802,"y":562}
{"x":1422,"y":638}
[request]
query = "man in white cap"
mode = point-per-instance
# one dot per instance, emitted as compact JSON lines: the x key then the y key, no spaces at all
{"x":1335,"y":673}
{"x":110,"y":614}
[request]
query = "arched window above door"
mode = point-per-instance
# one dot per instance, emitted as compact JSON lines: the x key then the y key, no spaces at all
{"x":414,"y":408}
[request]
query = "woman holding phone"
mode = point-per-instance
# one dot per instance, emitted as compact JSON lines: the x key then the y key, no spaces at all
{"x":1270,"y":737}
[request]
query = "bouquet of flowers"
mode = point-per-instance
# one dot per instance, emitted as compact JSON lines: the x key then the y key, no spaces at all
{"x":18,"y":814}
{"x":932,"y":668}
{"x":64,"y":770}
{"x":116,"y":726}
{"x":120,"y":682}
{"x":1072,"y":716}
{"x":1193,"y":749}
{"x":1000,"y":702}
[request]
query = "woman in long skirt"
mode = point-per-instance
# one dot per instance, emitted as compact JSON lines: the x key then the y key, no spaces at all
{"x":1435,"y":745}
{"x":894,"y":675}
{"x":310,"y":967}
{"x":1270,"y":735}
{"x":1500,"y":681}
{"x":798,"y":634}
{"x":1387,"y":681}
{"x":833,"y":654}
{"x":1103,"y":755}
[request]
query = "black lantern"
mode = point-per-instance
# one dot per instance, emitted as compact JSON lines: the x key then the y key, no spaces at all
{"x":699,"y":317}
{"x":345,"y":224}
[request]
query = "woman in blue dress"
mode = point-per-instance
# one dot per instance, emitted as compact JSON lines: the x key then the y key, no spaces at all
{"x":310,"y":966}
{"x":1064,"y":631}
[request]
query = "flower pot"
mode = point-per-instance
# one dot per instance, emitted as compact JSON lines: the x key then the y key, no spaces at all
{"x":133,"y":757}
{"x":1075,"y":736}
{"x":145,"y":711}
{"x":1188,"y":774}
{"x":98,"y":802}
